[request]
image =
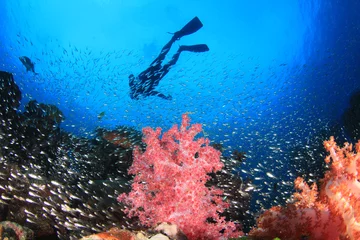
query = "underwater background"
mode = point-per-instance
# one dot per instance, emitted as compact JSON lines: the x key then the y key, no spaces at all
{"x":276,"y":82}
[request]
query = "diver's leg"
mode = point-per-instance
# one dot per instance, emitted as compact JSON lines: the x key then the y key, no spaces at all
{"x":193,"y":48}
{"x":191,"y":27}
{"x":163,"y":52}
{"x":166,"y":68}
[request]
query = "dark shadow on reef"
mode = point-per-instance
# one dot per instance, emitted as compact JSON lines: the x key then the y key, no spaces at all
{"x":64,"y":187}
{"x":351,"y":117}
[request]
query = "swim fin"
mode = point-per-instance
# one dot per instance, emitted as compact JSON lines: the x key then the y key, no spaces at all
{"x":195,"y":48}
{"x":193,"y":26}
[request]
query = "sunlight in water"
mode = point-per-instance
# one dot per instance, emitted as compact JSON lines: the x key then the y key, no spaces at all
{"x":268,"y":81}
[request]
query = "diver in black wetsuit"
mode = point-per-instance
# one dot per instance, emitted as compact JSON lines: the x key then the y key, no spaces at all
{"x":144,"y":84}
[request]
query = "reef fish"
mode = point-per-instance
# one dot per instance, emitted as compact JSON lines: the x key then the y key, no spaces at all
{"x":101,"y":115}
{"x":30,"y":66}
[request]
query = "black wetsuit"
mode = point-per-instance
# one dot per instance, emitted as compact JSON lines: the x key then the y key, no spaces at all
{"x":144,"y":84}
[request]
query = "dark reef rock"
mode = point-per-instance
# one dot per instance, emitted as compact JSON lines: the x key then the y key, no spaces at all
{"x":10,"y":94}
{"x":51,"y":181}
{"x":351,"y":117}
{"x":234,"y":188}
{"x":61,"y":185}
{"x":10,"y":230}
{"x":10,"y":120}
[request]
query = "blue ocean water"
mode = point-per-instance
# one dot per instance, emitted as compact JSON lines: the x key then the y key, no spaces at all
{"x":277,"y":73}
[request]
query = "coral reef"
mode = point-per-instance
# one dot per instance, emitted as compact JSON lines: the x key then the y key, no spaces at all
{"x":112,"y":234}
{"x":10,"y":95}
{"x":65,"y":187}
{"x":305,"y":157}
{"x":234,"y":188}
{"x":162,"y":232}
{"x":328,"y":214}
{"x":122,"y":136}
{"x":169,"y":183}
{"x":51,"y":181}
{"x":10,"y":230}
{"x":62,"y":186}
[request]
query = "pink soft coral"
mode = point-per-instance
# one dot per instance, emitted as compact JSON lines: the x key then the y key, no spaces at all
{"x":332,"y":214}
{"x":169,"y":183}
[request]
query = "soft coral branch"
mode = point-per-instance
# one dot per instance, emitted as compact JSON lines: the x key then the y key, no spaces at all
{"x":333,"y":213}
{"x":169,"y":183}
{"x":342,"y":187}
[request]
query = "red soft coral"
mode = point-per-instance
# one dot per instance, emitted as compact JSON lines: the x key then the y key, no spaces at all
{"x":332,"y":214}
{"x":169,"y":183}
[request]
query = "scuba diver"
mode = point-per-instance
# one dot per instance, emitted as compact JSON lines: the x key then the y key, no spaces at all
{"x":144,"y":84}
